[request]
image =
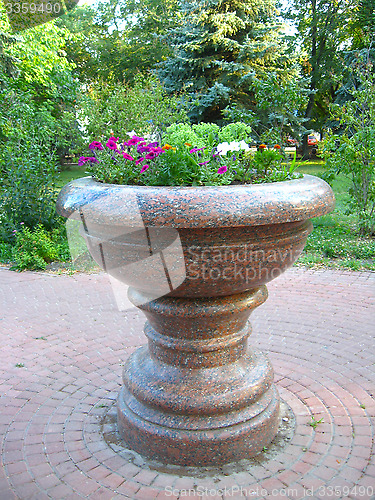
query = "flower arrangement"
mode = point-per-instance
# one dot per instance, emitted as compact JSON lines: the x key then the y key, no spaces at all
{"x":188,"y":156}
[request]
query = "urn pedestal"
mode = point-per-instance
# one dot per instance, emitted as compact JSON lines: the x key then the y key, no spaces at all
{"x":196,"y":261}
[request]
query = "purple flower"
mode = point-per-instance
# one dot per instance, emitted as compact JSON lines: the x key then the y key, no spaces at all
{"x":144,"y":168}
{"x":96,"y":145}
{"x":127,"y":156}
{"x":82,"y":160}
{"x":153,"y":144}
{"x":222,"y":169}
{"x":92,"y":159}
{"x":140,"y":160}
{"x":204,"y":163}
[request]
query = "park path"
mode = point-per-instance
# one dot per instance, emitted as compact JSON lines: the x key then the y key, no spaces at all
{"x":63,"y":343}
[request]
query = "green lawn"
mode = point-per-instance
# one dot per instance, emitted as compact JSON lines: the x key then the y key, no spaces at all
{"x":69,"y":173}
{"x":334,"y":242}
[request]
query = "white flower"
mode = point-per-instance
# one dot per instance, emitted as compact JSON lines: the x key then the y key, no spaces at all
{"x":132,"y":133}
{"x":224,"y":147}
{"x":234,"y":146}
{"x":244,"y":145}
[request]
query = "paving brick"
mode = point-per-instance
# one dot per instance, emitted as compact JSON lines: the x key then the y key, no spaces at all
{"x":50,"y":421}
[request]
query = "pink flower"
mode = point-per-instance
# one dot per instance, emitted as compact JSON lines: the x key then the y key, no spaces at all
{"x":144,"y":168}
{"x":82,"y":160}
{"x":194,"y":150}
{"x":133,"y":141}
{"x":151,"y":155}
{"x":92,"y":159}
{"x":143,"y":149}
{"x":154,"y":152}
{"x":140,"y":160}
{"x":127,"y":156}
{"x":111,"y":144}
{"x":96,"y":145}
{"x":222,"y":169}
{"x":204,"y":163}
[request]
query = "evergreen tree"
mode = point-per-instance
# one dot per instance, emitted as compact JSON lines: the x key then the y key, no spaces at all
{"x":219,"y":47}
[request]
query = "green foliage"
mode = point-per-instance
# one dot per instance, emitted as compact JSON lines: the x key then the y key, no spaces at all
{"x":143,"y":106}
{"x":352,"y":152}
{"x":280,"y":101}
{"x":266,"y":165}
{"x":218,"y":47}
{"x":115,"y":40}
{"x":237,"y":131}
{"x":5,"y":252}
{"x":27,"y":193}
{"x":34,"y":249}
{"x":323,"y":35}
{"x":37,"y":88}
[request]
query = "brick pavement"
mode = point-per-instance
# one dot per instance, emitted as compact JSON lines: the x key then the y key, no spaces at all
{"x":63,"y":345}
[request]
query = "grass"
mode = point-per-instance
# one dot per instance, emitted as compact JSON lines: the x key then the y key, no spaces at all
{"x":70,"y":173}
{"x":334,"y":243}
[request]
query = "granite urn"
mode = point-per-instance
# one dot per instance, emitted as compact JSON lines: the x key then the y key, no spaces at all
{"x":196,"y":261}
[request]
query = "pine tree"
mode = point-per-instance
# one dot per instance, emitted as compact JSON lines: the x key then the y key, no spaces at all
{"x":219,"y":47}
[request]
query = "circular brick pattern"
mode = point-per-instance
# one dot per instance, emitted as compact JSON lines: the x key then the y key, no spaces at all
{"x":61,"y":372}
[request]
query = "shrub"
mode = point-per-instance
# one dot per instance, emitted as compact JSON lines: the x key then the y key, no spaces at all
{"x":35,"y":249}
{"x":27,"y":192}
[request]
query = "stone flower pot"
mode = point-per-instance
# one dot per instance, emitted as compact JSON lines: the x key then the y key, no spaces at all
{"x":196,"y":260}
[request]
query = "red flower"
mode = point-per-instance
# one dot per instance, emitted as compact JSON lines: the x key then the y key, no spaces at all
{"x":262,"y":146}
{"x":276,"y":146}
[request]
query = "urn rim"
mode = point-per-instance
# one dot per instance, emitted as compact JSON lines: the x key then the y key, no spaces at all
{"x":196,"y":206}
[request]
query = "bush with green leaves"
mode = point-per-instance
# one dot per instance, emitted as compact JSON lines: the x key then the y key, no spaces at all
{"x":352,"y":151}
{"x":34,"y":249}
{"x":27,"y":189}
{"x":144,"y":107}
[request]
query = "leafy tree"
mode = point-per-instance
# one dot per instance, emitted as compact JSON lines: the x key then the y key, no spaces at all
{"x":118,"y":39}
{"x":352,"y":151}
{"x":217,"y":50}
{"x":322,"y":27}
{"x":38,"y":91}
{"x":277,"y":105}
{"x":117,"y":109}
{"x":362,"y":24}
